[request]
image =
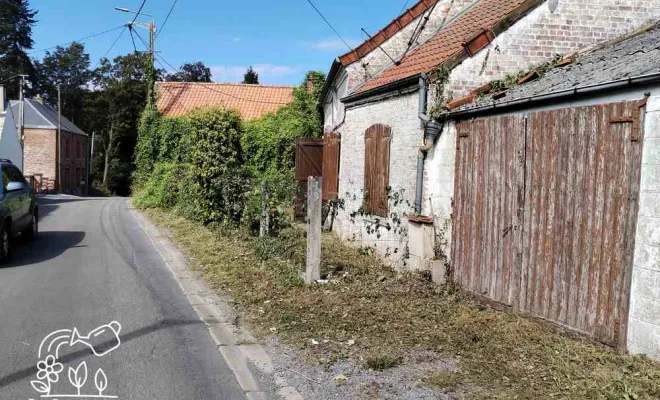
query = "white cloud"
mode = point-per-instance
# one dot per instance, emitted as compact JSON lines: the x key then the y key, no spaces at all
{"x":231,"y":73}
{"x":332,"y":44}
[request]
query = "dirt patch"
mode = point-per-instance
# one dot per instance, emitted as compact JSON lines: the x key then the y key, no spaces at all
{"x":368,"y":315}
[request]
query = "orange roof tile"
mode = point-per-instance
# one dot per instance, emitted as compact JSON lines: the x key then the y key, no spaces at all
{"x":252,"y":101}
{"x":390,"y":30}
{"x":488,"y":15}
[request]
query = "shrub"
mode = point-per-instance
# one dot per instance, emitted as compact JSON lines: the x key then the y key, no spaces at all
{"x":217,"y":178}
{"x":162,"y":187}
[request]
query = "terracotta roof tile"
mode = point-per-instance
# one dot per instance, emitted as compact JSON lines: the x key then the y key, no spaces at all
{"x":484,"y":16}
{"x":384,"y":34}
{"x":251,"y":101}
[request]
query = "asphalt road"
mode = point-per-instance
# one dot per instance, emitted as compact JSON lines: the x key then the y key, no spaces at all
{"x":93,"y":265}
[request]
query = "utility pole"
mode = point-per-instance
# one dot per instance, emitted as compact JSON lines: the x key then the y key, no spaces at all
{"x":21,"y":118}
{"x":91,"y":164}
{"x":58,"y":166}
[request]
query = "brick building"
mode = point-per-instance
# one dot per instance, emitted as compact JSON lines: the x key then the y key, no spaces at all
{"x":41,"y":158}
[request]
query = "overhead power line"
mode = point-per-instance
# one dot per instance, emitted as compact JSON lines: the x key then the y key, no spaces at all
{"x":130,"y":30}
{"x":137,"y":14}
{"x":166,"y":18}
{"x":329,"y":24}
{"x":79,"y":40}
{"x":207,"y":87}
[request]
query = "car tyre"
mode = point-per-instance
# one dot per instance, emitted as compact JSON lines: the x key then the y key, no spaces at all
{"x":5,"y":242}
{"x":32,"y":232}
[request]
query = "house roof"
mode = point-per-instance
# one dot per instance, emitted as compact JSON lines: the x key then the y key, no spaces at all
{"x":626,"y":58}
{"x":448,"y":46}
{"x":386,"y":33}
{"x":43,"y":116}
{"x":252,"y":101}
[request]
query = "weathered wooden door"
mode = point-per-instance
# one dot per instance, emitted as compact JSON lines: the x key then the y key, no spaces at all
{"x":309,"y":162}
{"x":331,"y":152}
{"x":545,"y":213}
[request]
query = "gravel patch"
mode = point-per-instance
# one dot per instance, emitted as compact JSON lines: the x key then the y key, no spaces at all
{"x":326,"y":382}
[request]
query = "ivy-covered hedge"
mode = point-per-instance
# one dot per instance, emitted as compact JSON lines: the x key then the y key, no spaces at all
{"x":213,"y":167}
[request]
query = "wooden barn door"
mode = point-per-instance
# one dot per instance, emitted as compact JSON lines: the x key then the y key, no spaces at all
{"x":309,"y":162}
{"x":545,"y":214}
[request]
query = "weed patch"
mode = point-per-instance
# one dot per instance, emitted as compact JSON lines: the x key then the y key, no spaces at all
{"x":368,"y":312}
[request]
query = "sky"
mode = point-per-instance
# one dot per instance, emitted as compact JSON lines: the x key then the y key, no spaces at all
{"x":281,"y":39}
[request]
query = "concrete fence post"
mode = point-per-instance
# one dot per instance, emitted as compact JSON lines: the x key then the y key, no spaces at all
{"x":314,"y":229}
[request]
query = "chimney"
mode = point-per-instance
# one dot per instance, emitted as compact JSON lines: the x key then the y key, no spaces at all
{"x":39,"y":99}
{"x":3,"y":99}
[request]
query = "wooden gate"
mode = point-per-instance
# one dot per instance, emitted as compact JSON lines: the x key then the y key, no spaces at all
{"x":309,"y":162}
{"x":545,"y":214}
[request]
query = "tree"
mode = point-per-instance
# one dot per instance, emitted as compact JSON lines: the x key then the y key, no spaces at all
{"x":119,"y":98}
{"x":16,"y":20}
{"x":68,"y":67}
{"x":191,"y":72}
{"x":251,"y":77}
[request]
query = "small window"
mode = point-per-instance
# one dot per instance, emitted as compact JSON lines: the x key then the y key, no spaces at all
{"x":377,"y":169}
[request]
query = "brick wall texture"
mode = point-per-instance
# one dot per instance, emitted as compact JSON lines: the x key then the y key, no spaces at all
{"x":644,"y":323}
{"x":41,"y":153}
{"x":575,"y":25}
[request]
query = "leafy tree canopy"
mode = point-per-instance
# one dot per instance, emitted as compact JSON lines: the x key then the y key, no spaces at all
{"x":68,"y":67}
{"x":191,"y":72}
{"x":251,"y":77}
{"x":16,"y":21}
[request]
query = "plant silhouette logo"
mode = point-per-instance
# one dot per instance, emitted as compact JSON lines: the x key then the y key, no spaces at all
{"x":101,"y":341}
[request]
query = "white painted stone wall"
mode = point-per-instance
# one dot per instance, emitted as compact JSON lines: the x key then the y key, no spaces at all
{"x":438,"y":190}
{"x":644,"y":322}
{"x":399,"y":113}
{"x":575,"y":25}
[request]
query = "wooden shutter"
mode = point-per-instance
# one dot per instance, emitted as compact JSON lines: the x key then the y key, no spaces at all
{"x":377,"y":169}
{"x":331,"y":149}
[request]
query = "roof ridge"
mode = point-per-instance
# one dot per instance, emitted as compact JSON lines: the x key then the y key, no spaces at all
{"x":229,"y":84}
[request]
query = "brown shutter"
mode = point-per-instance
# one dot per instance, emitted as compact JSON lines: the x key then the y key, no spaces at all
{"x":331,"y":149}
{"x":376,"y":169}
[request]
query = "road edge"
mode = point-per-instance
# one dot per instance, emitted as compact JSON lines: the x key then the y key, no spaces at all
{"x":237,"y":346}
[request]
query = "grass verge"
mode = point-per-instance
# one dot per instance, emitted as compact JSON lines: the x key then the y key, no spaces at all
{"x":368,"y":312}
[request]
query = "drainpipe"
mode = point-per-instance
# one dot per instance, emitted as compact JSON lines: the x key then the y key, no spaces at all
{"x":432,"y":130}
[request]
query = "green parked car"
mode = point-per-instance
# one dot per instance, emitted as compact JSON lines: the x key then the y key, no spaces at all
{"x":18,"y":208}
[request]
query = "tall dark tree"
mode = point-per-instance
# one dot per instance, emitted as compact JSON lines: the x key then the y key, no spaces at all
{"x":191,"y":72}
{"x":68,"y":67}
{"x":117,"y":102}
{"x":16,"y":20}
{"x":251,"y":77}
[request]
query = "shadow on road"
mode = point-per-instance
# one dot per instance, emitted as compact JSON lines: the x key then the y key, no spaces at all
{"x":48,"y":246}
{"x":165,"y":324}
{"x":47,"y":205}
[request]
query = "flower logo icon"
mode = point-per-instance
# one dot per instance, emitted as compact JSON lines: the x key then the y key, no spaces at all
{"x":49,"y":369}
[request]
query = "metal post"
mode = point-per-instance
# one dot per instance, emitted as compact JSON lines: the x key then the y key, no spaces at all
{"x":58,"y":158}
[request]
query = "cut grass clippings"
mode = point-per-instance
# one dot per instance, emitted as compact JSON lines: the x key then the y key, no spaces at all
{"x":367,"y":312}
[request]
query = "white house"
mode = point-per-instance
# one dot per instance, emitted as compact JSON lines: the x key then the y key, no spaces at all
{"x":10,"y":144}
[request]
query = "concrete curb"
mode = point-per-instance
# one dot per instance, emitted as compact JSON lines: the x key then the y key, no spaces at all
{"x":238,"y":347}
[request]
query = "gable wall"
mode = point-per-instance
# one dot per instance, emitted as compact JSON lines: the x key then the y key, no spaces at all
{"x":10,"y":145}
{"x":397,"y":45}
{"x":575,"y":25}
{"x":40,"y":152}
